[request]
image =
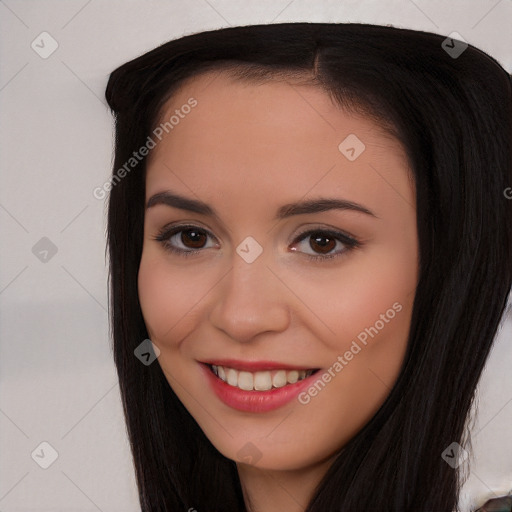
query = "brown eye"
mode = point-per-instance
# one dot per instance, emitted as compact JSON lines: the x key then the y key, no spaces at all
{"x":322,"y":243}
{"x":184,"y":240}
{"x":193,"y":238}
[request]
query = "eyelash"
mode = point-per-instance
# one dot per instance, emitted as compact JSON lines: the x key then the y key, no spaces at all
{"x":349,"y":242}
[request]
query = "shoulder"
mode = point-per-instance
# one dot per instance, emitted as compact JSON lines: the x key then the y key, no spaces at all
{"x":500,"y":504}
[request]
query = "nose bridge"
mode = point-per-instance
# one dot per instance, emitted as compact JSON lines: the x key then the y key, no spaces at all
{"x":250,"y":300}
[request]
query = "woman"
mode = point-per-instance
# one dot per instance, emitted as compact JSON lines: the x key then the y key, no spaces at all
{"x":308,"y":228}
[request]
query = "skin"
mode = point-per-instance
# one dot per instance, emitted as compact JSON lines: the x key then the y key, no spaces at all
{"x":247,"y":149}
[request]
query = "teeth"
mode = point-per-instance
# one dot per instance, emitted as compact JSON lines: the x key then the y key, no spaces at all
{"x":292,"y":377}
{"x":259,"y":381}
{"x":245,"y":381}
{"x":232,"y":377}
{"x":279,"y":379}
{"x":262,"y":381}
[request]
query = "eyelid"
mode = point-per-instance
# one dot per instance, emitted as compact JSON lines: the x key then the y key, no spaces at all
{"x":335,"y":232}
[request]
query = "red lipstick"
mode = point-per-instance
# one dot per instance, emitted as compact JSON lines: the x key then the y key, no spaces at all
{"x":253,"y":366}
{"x":254,"y":401}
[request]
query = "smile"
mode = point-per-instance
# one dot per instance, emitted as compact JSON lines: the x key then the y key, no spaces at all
{"x":259,"y":381}
{"x":256,"y":387}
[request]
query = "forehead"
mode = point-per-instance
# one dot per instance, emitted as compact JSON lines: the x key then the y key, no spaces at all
{"x":278,"y":101}
{"x":276,"y":135}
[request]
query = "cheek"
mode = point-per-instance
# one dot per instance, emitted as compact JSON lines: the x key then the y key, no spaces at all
{"x":153,"y":294}
{"x":165,"y":296}
{"x":369,"y":294}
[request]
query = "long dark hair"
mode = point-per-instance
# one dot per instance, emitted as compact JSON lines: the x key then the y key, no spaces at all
{"x":453,"y":114}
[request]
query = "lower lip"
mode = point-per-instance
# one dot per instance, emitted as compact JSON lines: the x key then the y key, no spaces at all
{"x":255,"y":401}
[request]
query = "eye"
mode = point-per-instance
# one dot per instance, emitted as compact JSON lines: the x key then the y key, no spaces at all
{"x":322,"y":242}
{"x":184,"y":240}
{"x":189,"y":240}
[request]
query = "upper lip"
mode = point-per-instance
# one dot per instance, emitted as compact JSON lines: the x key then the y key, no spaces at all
{"x":254,"y":366}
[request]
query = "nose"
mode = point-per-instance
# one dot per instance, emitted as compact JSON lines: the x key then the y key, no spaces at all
{"x":250,"y":300}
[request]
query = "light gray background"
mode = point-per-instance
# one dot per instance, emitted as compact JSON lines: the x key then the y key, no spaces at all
{"x":58,"y":382}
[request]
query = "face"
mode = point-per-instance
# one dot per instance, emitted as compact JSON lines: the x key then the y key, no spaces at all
{"x":279,"y":266}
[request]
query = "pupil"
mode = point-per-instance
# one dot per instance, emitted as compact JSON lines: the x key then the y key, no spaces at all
{"x":326,"y":246}
{"x":194,"y":238}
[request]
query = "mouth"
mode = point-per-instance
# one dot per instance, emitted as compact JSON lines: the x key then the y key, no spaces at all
{"x":256,"y":387}
{"x":259,"y":380}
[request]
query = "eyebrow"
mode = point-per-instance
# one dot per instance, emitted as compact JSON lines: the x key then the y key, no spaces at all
{"x":288,"y":210}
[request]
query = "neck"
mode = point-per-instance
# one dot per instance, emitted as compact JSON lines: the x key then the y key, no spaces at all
{"x":278,"y":490}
